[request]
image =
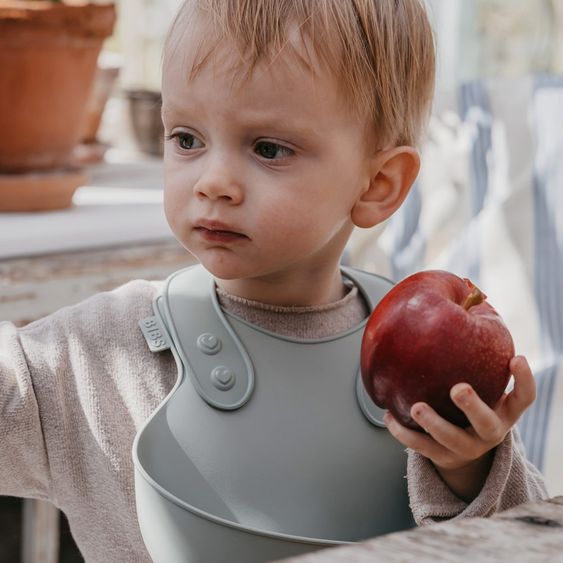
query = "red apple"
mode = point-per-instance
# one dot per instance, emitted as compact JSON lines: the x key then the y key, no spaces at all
{"x":431,"y":331}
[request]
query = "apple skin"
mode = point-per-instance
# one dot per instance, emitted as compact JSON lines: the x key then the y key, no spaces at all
{"x":420,"y":341}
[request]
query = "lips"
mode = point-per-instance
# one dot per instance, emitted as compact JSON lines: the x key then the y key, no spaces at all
{"x":217,"y":231}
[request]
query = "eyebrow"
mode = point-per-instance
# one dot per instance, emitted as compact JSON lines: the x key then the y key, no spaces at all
{"x":253,"y":120}
{"x":168,"y":108}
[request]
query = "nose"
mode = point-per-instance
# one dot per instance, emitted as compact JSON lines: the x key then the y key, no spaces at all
{"x":219,"y":181}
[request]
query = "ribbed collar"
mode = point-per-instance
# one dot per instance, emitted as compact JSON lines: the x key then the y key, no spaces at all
{"x":310,"y":322}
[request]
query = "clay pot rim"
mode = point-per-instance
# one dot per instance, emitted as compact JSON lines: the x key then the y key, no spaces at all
{"x":77,"y":18}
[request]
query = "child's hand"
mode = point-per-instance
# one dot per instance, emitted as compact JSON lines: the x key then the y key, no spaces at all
{"x":463,"y":456}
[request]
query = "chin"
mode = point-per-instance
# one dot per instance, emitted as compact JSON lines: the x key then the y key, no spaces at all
{"x":224,"y":269}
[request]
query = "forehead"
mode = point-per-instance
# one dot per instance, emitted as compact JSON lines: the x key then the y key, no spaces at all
{"x":196,"y":47}
{"x":198,"y":70}
{"x":290,"y":89}
{"x":223,"y":68}
{"x":194,"y":50}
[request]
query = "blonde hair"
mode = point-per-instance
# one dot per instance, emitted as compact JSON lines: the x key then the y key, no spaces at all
{"x":380,"y":51}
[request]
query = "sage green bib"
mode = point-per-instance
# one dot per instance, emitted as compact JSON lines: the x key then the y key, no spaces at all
{"x":267,"y":446}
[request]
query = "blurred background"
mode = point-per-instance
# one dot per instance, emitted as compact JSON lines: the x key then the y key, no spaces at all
{"x":486,"y":204}
{"x":475,"y":39}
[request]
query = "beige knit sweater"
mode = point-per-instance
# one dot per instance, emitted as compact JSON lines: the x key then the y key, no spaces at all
{"x":76,"y":386}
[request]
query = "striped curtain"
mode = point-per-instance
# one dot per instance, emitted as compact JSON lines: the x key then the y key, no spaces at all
{"x":488,"y":205}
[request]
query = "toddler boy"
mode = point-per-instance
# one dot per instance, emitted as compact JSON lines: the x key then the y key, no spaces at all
{"x":288,"y":124}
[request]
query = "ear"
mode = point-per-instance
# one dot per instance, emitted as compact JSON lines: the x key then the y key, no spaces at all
{"x":392,"y":173}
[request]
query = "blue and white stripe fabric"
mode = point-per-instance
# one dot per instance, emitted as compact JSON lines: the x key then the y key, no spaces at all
{"x":488,"y":205}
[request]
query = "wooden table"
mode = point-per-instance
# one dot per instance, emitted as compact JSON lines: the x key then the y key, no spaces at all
{"x":528,"y":533}
{"x":115,"y":232}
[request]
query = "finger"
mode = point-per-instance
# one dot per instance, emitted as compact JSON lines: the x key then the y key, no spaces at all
{"x":452,"y":438}
{"x":418,"y":441}
{"x":486,"y":423}
{"x":524,"y":392}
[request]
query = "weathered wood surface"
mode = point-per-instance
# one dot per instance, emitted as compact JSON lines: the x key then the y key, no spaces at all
{"x":528,"y":533}
{"x":35,"y":286}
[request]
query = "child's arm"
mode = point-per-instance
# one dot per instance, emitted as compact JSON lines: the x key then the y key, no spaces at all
{"x":463,"y":457}
{"x":23,"y":457}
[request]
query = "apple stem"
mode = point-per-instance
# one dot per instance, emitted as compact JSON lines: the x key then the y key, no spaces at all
{"x":474,"y":298}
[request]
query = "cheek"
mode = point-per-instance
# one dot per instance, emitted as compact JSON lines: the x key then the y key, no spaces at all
{"x":176,"y":192}
{"x":291,"y":227}
{"x":276,"y":216}
{"x":175,"y":207}
{"x":169,"y":207}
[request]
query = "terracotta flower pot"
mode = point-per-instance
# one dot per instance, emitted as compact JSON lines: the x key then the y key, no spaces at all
{"x":48,"y":55}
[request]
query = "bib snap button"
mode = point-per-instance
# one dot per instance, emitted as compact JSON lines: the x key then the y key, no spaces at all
{"x":223,"y":378}
{"x":208,"y":343}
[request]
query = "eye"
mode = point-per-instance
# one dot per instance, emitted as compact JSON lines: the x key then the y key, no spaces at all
{"x":271,"y":151}
{"x":185,"y":141}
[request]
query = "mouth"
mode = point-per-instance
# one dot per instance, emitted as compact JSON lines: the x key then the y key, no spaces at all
{"x":215,"y":231}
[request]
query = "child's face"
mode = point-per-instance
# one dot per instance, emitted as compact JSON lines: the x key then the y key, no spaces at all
{"x":261,"y":174}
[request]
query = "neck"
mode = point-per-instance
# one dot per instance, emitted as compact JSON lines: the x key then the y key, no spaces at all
{"x":302,"y":289}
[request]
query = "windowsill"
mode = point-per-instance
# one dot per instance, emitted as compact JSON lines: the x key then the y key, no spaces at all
{"x":120,"y":205}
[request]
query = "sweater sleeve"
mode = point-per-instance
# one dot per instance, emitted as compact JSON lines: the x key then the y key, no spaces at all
{"x":24,"y":470}
{"x":512,"y":480}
